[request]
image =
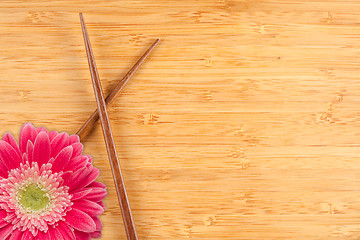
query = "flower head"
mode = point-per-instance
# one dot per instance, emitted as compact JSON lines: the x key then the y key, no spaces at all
{"x":48,"y":188}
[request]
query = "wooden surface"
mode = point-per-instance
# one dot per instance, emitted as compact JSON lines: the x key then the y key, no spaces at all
{"x":243,"y":123}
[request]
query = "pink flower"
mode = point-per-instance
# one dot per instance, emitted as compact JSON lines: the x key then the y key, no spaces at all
{"x":47,"y":187}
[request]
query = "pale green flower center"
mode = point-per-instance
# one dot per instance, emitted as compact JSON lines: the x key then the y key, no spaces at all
{"x":33,"y":198}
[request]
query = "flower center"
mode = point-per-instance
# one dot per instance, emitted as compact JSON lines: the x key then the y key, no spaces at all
{"x":32,"y":197}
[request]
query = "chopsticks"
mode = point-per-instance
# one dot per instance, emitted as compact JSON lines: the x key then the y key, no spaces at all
{"x":89,"y":124}
{"x":109,"y":140}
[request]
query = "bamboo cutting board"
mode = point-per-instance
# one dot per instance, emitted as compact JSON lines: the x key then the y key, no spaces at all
{"x":243,"y":123}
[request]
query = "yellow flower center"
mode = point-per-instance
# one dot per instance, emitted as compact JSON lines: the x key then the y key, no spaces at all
{"x":33,"y":198}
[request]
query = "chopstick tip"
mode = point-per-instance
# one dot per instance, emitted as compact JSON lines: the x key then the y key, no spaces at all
{"x":81,"y":17}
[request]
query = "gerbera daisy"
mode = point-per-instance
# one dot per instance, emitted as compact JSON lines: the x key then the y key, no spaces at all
{"x":48,"y":188}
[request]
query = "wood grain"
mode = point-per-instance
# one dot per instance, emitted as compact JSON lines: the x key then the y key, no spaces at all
{"x":242,"y":124}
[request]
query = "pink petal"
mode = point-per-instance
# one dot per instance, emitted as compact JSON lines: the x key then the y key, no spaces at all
{"x":77,"y":178}
{"x":3,"y":170}
{"x":25,"y":158}
{"x":94,"y":173}
{"x":80,"y":221}
{"x":41,"y":149}
{"x":9,"y":156}
{"x":89,"y":157}
{"x":41,"y":129}
{"x":102,"y":204}
{"x":58,"y":143}
{"x":30,"y":151}
{"x":7,"y":230}
{"x":98,"y":223}
{"x":55,"y":234}
{"x":89,"y":166}
{"x":89,"y":207}
{"x":97,"y":184}
{"x":62,"y":159}
{"x":3,"y":223}
{"x":52,"y":135}
{"x":79,"y":194}
{"x":96,"y":194}
{"x":11,"y":216}
{"x":67,"y":177}
{"x":16,"y":235}
{"x":66,"y":231}
{"x":27,"y":235}
{"x":74,"y":139}
{"x":82,"y":236}
{"x":11,"y":140}
{"x":96,"y":234}
{"x":43,"y":235}
{"x":78,"y":148}
{"x":77,"y":163}
{"x":28,"y":132}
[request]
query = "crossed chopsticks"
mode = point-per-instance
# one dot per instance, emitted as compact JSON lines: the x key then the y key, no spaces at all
{"x":101,"y":112}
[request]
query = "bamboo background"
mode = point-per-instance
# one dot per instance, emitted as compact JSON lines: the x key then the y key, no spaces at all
{"x":242,"y":124}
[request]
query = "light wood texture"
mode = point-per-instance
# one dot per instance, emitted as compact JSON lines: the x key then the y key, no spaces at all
{"x":242,"y":124}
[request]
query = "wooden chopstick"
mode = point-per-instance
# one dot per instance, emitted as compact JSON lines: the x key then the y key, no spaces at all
{"x":89,"y":124}
{"x":109,"y":140}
